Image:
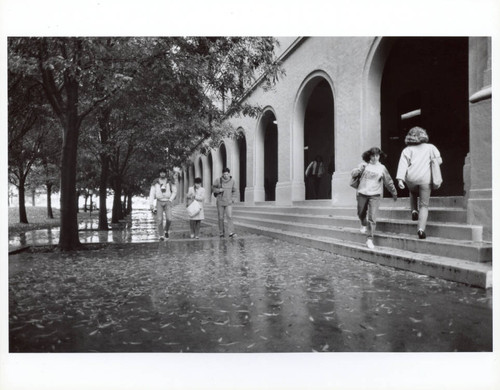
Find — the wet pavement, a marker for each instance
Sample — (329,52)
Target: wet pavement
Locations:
(247,294)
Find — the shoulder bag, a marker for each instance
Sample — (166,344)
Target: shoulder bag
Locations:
(354,183)
(436,177)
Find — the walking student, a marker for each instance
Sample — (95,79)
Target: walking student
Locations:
(414,169)
(224,189)
(374,176)
(161,195)
(196,193)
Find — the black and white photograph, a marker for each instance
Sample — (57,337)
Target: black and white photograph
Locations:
(239,206)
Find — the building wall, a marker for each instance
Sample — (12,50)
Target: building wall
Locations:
(353,68)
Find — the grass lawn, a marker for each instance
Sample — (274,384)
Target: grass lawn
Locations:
(37,219)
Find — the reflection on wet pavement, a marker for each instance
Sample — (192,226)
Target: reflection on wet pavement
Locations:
(139,227)
(250,294)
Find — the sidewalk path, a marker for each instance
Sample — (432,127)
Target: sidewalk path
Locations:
(247,294)
(139,227)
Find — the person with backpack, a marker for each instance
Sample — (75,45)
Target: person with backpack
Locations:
(161,196)
(224,189)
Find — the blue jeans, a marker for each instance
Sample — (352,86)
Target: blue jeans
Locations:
(367,212)
(419,200)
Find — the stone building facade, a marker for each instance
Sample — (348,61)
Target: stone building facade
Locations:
(343,95)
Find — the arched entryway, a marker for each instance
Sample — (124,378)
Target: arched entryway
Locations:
(319,136)
(210,172)
(242,148)
(269,129)
(223,155)
(200,169)
(425,83)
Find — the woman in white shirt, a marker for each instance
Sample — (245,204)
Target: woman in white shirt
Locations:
(414,169)
(196,194)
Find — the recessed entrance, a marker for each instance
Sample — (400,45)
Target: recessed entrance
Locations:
(425,83)
(223,155)
(242,147)
(270,129)
(319,137)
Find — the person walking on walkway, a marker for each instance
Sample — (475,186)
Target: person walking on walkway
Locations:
(374,176)
(414,169)
(224,189)
(196,193)
(314,173)
(161,196)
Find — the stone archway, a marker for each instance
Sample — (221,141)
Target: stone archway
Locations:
(199,170)
(420,81)
(319,136)
(266,157)
(241,145)
(313,135)
(223,155)
(210,173)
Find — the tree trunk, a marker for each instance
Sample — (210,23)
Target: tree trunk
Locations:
(117,213)
(103,189)
(124,205)
(50,215)
(22,204)
(68,239)
(86,197)
(103,180)
(129,204)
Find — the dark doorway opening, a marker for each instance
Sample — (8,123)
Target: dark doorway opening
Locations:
(425,83)
(210,171)
(319,139)
(242,147)
(223,155)
(270,156)
(200,167)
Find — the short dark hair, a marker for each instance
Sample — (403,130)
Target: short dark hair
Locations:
(162,170)
(226,170)
(197,180)
(371,152)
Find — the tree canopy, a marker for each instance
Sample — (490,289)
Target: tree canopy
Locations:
(143,94)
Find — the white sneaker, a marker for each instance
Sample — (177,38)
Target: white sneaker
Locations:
(363,229)
(369,244)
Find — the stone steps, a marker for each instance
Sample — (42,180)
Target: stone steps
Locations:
(462,271)
(437,214)
(453,249)
(397,226)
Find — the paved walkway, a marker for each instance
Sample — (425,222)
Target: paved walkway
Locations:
(247,294)
(140,227)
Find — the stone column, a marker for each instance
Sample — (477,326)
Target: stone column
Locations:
(478,191)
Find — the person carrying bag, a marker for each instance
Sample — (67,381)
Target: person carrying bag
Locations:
(194,207)
(419,169)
